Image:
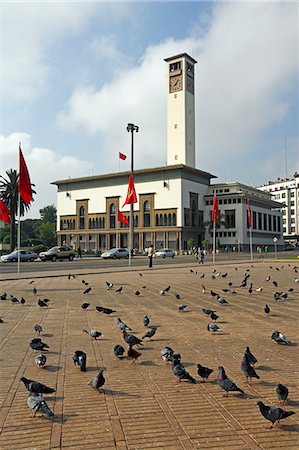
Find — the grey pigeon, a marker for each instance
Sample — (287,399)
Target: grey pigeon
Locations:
(37,404)
(37,344)
(137,293)
(104,310)
(98,381)
(119,351)
(133,354)
(214,316)
(204,372)
(14,299)
(22,301)
(167,354)
(251,358)
(40,360)
(247,369)
(79,359)
(3,296)
(42,303)
(182,307)
(34,291)
(87,290)
(119,289)
(208,312)
(180,372)
(94,334)
(273,413)
(177,296)
(213,327)
(267,309)
(85,305)
(122,325)
(131,339)
(36,387)
(146,321)
(222,301)
(38,328)
(282,393)
(150,332)
(279,338)
(109,285)
(226,384)
(167,289)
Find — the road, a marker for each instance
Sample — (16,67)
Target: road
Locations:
(139,261)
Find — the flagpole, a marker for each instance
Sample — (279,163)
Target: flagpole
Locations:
(214,240)
(250,243)
(19,231)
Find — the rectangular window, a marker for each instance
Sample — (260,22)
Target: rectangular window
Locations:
(292,229)
(283,195)
(292,212)
(278,224)
(239,200)
(260,227)
(265,222)
(270,222)
(234,200)
(224,234)
(292,194)
(254,220)
(274,223)
(230,218)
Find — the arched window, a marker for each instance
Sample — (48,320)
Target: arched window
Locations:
(169,220)
(157,220)
(174,219)
(82,218)
(165,220)
(193,214)
(146,214)
(161,221)
(112,215)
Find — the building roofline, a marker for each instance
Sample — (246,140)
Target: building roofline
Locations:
(137,172)
(180,55)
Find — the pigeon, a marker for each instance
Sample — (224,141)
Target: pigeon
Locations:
(204,289)
(104,310)
(3,296)
(162,292)
(150,333)
(268,278)
(290,290)
(122,325)
(213,294)
(247,369)
(182,307)
(282,393)
(214,316)
(119,289)
(191,271)
(177,296)
(140,274)
(250,289)
(37,403)
(226,384)
(146,321)
(267,309)
(42,303)
(14,299)
(70,276)
(133,354)
(204,372)
(37,344)
(87,290)
(251,358)
(1,320)
(273,413)
(137,293)
(83,281)
(230,284)
(167,289)
(34,291)
(208,312)
(275,283)
(213,327)
(85,305)
(203,275)
(98,381)
(119,351)
(109,284)
(94,334)
(224,275)
(38,328)
(260,289)
(279,338)
(32,281)
(131,339)
(40,360)
(180,372)
(243,283)
(167,354)
(222,301)
(79,359)
(22,301)
(36,387)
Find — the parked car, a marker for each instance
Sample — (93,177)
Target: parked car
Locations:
(165,253)
(63,252)
(116,253)
(25,255)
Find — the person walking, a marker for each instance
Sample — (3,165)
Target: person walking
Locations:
(79,253)
(201,256)
(150,254)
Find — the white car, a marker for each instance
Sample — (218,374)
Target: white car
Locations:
(165,253)
(25,255)
(116,253)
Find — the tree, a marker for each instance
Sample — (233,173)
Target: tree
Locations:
(190,243)
(48,214)
(10,196)
(47,233)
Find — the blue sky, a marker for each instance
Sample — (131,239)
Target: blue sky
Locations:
(74,74)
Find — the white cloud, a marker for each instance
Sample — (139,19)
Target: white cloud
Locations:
(247,63)
(44,166)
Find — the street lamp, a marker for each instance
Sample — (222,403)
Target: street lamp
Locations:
(131,128)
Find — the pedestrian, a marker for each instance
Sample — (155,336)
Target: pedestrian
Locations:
(201,256)
(150,254)
(79,253)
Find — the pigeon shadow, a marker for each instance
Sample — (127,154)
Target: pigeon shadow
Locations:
(47,335)
(118,393)
(52,353)
(92,369)
(294,428)
(146,348)
(268,383)
(148,363)
(292,403)
(160,340)
(265,368)
(52,368)
(53,397)
(62,418)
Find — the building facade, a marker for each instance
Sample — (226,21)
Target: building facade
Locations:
(174,201)
(286,192)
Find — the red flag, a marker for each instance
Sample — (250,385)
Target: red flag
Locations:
(122,218)
(131,195)
(249,219)
(122,156)
(4,212)
(215,210)
(24,185)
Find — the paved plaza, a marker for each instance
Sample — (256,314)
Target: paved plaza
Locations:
(142,405)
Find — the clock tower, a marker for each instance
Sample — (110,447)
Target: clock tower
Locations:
(180,110)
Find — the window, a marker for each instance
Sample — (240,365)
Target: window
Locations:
(193,214)
(253,219)
(292,229)
(292,203)
(274,223)
(186,218)
(112,216)
(259,218)
(292,194)
(146,214)
(226,190)
(265,222)
(270,222)
(292,212)
(283,195)
(234,200)
(230,218)
(81,218)
(278,224)
(174,219)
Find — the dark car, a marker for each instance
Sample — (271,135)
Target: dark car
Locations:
(57,253)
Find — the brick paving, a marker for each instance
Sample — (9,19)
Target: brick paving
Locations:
(143,406)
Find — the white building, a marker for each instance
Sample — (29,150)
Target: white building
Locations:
(173,200)
(286,191)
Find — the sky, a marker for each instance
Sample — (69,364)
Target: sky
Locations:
(73,74)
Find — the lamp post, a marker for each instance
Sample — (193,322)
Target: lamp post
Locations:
(131,128)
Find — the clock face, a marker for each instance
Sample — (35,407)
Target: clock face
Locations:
(175,83)
(190,84)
